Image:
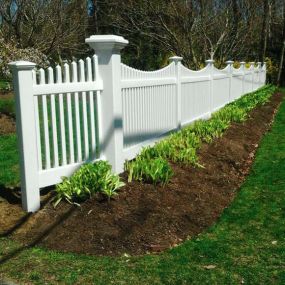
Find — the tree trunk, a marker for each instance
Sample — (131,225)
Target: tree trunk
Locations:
(282,50)
(264,31)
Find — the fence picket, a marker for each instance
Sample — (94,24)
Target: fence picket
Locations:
(69,114)
(45,122)
(37,122)
(53,120)
(77,114)
(91,107)
(61,116)
(84,110)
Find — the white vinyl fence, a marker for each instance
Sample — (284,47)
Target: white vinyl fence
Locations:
(102,109)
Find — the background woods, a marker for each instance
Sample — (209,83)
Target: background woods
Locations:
(55,30)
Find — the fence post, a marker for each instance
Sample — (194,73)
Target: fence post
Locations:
(259,74)
(177,60)
(242,64)
(26,133)
(264,69)
(210,64)
(107,48)
(252,74)
(230,63)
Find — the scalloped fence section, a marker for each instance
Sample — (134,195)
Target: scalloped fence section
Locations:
(100,108)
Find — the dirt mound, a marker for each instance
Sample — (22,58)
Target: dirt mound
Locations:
(147,218)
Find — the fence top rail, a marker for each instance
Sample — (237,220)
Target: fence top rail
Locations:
(62,88)
(185,71)
(128,72)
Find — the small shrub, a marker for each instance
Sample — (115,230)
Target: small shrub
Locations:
(149,170)
(88,180)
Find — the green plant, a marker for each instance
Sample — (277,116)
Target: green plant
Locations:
(88,180)
(155,170)
(111,184)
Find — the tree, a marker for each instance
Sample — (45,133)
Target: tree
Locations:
(56,28)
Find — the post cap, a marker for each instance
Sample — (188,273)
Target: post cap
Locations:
(175,59)
(106,42)
(230,62)
(252,62)
(242,62)
(210,61)
(22,65)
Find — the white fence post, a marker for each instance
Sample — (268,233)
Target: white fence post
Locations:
(264,68)
(210,63)
(107,48)
(177,60)
(242,64)
(252,74)
(259,74)
(230,63)
(26,133)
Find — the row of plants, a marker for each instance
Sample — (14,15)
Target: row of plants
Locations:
(152,164)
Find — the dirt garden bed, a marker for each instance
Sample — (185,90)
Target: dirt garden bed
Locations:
(145,218)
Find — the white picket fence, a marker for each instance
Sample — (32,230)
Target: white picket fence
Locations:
(102,109)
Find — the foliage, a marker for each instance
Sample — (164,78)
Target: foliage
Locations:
(55,28)
(9,52)
(5,85)
(150,170)
(91,178)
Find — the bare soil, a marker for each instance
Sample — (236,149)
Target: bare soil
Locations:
(7,124)
(145,218)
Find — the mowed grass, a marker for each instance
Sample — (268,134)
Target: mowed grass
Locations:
(246,246)
(9,161)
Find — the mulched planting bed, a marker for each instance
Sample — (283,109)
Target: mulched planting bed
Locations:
(145,218)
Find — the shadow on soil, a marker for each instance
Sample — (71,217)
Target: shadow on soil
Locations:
(13,196)
(38,239)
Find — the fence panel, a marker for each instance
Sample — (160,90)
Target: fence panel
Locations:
(237,85)
(149,106)
(195,94)
(221,88)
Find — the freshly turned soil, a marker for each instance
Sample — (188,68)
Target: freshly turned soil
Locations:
(144,218)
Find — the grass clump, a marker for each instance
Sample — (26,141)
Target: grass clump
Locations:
(181,147)
(91,178)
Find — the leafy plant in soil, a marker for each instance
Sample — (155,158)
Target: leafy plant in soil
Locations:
(150,170)
(88,180)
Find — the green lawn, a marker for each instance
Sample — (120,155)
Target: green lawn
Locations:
(246,246)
